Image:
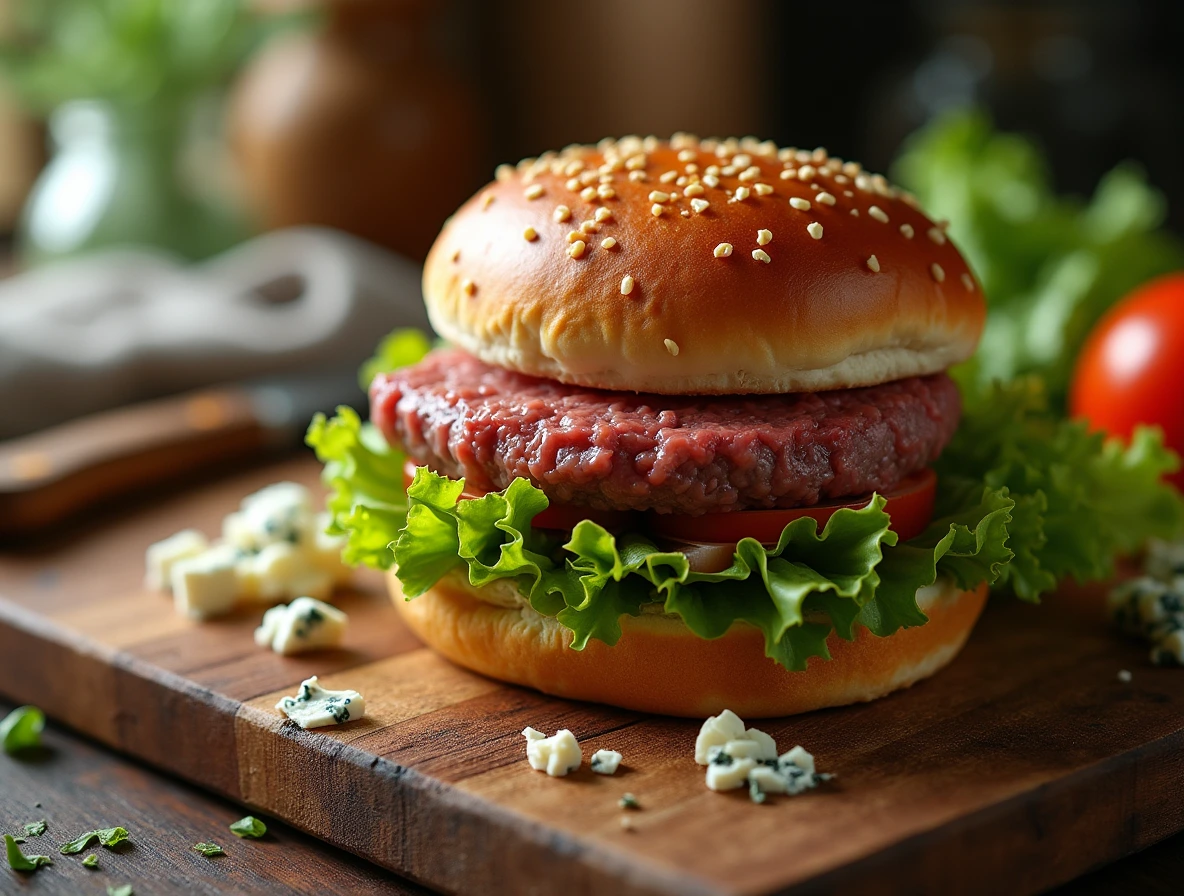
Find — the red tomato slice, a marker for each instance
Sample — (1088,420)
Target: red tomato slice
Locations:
(557,516)
(910,505)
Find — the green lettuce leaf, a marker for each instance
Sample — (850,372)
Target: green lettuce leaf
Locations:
(1049,265)
(400,349)
(1080,500)
(795,592)
(367,501)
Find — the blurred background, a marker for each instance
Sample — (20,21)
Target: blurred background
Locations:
(313,148)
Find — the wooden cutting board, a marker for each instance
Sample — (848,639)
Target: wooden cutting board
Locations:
(1024,764)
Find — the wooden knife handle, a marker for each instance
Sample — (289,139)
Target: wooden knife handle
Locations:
(53,474)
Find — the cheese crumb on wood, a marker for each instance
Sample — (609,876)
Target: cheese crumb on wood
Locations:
(161,556)
(206,585)
(315,706)
(557,755)
(304,624)
(736,757)
(606,762)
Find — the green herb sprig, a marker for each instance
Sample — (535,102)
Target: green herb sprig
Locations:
(18,861)
(108,837)
(21,729)
(249,827)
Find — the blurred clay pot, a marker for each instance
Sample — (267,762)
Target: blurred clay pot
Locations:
(355,125)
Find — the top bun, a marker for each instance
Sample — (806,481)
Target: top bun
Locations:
(701,267)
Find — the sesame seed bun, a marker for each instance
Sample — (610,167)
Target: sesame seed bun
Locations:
(637,265)
(659,666)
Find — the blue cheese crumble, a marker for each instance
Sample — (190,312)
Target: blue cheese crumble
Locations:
(273,549)
(304,624)
(1152,606)
(315,706)
(606,762)
(736,756)
(557,755)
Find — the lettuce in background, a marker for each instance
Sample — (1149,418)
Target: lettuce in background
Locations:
(1050,265)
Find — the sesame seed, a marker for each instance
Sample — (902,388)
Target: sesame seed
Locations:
(819,155)
(713,170)
(968,282)
(588,194)
(574,235)
(699,205)
(693,190)
(692,168)
(907,230)
(534,191)
(659,196)
(530,234)
(789,174)
(854,213)
(589,226)
(863,182)
(711,180)
(668,176)
(603,214)
(671,346)
(723,250)
(800,204)
(573,184)
(682,182)
(762,189)
(626,285)
(656,210)
(802,156)
(561,213)
(503,172)
(937,236)
(873,263)
(742,160)
(815,230)
(851,169)
(487,199)
(750,173)
(742,193)
(761,255)
(605,179)
(878,213)
(468,287)
(576,249)
(604,191)
(686,155)
(764,237)
(807,172)
(938,272)
(842,179)
(638,176)
(728,170)
(587,178)
(825,198)
(684,213)
(607,243)
(848,194)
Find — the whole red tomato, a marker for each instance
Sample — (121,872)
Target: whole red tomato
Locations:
(1131,369)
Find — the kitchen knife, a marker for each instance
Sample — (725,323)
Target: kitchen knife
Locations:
(57,473)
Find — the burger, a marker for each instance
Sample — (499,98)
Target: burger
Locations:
(673,451)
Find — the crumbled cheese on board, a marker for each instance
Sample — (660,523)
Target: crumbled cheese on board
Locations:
(273,548)
(557,755)
(606,762)
(1152,606)
(315,706)
(736,757)
(304,624)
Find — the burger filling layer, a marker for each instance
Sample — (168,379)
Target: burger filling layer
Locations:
(670,454)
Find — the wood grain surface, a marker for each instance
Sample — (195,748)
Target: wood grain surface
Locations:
(1021,766)
(75,786)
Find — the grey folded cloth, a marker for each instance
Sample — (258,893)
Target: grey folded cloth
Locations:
(128,325)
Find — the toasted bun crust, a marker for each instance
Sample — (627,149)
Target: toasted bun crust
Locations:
(501,280)
(658,666)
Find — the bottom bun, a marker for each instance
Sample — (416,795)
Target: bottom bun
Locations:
(659,666)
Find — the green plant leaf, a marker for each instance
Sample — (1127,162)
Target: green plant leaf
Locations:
(249,827)
(108,837)
(18,861)
(21,729)
(209,850)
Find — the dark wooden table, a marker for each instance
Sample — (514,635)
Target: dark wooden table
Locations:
(76,786)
